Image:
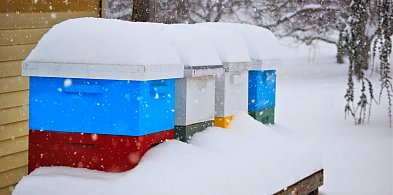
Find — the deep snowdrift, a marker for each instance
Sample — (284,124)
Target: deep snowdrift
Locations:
(246,158)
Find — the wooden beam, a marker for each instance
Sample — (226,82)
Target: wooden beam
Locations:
(39,20)
(13,130)
(10,84)
(12,176)
(305,186)
(21,36)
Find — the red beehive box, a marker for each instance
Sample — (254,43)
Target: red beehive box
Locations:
(111,153)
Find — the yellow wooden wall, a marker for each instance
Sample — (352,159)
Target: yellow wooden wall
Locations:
(22,23)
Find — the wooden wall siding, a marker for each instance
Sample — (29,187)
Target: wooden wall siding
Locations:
(11,146)
(22,24)
(13,161)
(13,6)
(7,190)
(21,36)
(13,130)
(14,99)
(14,114)
(15,52)
(12,176)
(10,68)
(38,20)
(15,83)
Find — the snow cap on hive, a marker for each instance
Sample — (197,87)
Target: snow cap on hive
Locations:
(192,49)
(198,55)
(229,45)
(104,49)
(261,44)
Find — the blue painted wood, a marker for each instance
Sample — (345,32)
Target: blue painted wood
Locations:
(261,89)
(115,107)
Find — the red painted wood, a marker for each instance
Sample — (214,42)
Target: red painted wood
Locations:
(111,153)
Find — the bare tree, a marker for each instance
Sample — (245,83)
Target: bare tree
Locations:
(173,11)
(119,9)
(305,21)
(215,10)
(193,11)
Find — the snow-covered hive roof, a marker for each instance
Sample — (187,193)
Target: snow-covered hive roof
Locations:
(229,45)
(192,49)
(104,49)
(198,55)
(261,44)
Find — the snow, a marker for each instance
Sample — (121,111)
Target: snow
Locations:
(114,49)
(250,158)
(192,49)
(260,42)
(242,158)
(102,41)
(310,108)
(229,45)
(104,49)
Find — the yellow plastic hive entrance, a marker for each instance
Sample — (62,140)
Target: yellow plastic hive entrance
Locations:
(222,121)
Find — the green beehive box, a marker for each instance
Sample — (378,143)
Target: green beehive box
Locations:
(184,133)
(265,116)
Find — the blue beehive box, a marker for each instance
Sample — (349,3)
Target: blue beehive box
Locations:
(117,107)
(261,89)
(102,76)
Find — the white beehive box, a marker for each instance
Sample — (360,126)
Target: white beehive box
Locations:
(194,100)
(231,93)
(196,91)
(232,86)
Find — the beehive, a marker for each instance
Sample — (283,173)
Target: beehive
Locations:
(83,86)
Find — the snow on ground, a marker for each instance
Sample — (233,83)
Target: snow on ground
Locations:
(247,158)
(250,158)
(356,159)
